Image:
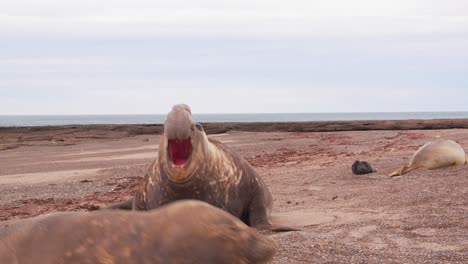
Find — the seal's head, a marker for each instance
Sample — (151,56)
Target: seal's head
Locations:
(181,141)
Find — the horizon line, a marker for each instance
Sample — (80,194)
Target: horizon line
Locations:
(251,113)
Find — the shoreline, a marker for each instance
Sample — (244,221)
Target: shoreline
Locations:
(280,126)
(65,135)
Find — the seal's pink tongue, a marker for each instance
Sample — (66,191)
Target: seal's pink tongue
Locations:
(180,150)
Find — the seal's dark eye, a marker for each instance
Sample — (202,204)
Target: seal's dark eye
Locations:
(199,127)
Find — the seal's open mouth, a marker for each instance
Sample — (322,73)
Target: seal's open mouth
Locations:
(180,151)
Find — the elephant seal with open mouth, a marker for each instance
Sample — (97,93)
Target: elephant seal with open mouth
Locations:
(192,166)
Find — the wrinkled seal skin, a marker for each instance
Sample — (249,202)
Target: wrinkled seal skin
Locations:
(361,167)
(433,155)
(213,174)
(182,232)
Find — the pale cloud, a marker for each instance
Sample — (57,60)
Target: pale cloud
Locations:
(140,18)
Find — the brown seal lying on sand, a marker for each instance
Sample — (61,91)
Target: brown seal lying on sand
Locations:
(182,232)
(192,166)
(436,154)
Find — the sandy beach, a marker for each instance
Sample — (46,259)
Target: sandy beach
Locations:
(417,218)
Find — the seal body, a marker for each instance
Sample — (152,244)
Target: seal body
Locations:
(222,179)
(192,166)
(361,167)
(433,155)
(183,232)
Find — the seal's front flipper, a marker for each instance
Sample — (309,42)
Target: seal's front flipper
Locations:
(275,228)
(396,172)
(402,170)
(258,218)
(125,205)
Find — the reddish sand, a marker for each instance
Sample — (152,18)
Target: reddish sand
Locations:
(418,218)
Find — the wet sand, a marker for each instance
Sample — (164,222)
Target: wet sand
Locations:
(420,217)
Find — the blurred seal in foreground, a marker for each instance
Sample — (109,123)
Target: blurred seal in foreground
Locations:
(183,232)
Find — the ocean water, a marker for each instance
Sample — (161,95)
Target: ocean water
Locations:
(53,120)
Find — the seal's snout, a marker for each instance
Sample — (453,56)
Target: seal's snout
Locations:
(178,128)
(179,123)
(180,151)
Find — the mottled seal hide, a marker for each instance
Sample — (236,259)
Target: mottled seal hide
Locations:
(433,155)
(182,232)
(192,166)
(361,167)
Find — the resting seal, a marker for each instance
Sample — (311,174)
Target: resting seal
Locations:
(182,232)
(192,166)
(361,167)
(436,154)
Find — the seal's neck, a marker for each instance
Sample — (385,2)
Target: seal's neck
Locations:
(221,161)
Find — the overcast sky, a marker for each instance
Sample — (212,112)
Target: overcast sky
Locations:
(141,57)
